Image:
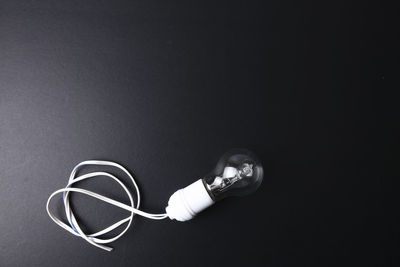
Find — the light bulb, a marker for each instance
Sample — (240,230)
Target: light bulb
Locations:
(237,173)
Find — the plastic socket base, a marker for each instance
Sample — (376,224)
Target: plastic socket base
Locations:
(186,203)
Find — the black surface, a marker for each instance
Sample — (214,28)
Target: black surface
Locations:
(165,89)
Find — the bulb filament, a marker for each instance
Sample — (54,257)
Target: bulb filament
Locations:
(220,184)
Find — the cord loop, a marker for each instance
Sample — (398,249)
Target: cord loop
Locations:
(74,227)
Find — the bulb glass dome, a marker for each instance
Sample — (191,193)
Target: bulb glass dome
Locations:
(238,173)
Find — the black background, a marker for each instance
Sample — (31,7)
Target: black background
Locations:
(165,89)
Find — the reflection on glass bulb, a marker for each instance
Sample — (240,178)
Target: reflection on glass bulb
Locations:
(237,173)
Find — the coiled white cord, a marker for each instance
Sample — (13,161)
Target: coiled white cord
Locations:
(74,227)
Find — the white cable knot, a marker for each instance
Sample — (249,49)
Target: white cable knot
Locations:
(74,227)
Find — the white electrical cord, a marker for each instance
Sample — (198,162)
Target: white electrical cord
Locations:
(74,227)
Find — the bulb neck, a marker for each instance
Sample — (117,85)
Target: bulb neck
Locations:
(187,202)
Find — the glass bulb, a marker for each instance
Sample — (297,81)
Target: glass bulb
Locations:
(237,173)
